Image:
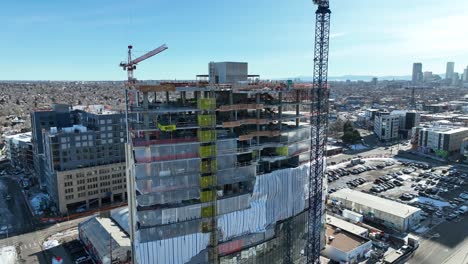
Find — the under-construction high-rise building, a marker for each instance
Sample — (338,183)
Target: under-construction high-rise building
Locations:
(219,172)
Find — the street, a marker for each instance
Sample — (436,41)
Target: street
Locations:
(29,246)
(446,244)
(14,213)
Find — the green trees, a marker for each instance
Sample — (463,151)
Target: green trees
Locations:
(350,134)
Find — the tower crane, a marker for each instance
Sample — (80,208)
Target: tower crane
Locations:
(130,65)
(319,121)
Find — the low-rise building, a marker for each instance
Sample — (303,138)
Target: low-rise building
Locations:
(395,215)
(19,150)
(443,141)
(345,247)
(386,126)
(346,226)
(105,239)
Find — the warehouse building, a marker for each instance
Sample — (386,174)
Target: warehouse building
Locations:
(345,247)
(392,214)
(346,226)
(104,239)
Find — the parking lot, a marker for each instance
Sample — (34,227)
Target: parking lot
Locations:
(441,192)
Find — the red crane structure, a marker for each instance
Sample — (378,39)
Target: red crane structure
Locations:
(130,66)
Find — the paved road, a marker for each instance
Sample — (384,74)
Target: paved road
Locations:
(29,246)
(14,213)
(448,245)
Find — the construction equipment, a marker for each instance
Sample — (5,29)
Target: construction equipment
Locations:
(319,120)
(130,66)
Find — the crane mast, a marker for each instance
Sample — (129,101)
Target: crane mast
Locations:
(130,65)
(319,120)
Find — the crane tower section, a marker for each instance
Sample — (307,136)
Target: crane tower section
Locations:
(319,120)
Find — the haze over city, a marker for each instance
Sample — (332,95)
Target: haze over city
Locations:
(51,40)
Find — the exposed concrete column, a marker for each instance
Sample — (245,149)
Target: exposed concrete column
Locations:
(87,204)
(167,97)
(146,114)
(297,108)
(183,96)
(231,113)
(99,202)
(112,198)
(257,100)
(280,109)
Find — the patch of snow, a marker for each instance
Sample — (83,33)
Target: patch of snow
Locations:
(422,230)
(39,202)
(430,201)
(8,255)
(357,147)
(50,244)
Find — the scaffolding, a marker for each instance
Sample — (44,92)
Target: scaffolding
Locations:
(196,150)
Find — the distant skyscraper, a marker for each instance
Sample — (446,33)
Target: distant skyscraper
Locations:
(417,72)
(465,75)
(374,81)
(427,77)
(455,79)
(450,70)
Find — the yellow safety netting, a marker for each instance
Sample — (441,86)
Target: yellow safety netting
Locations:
(206,103)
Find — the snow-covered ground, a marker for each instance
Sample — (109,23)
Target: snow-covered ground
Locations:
(430,201)
(38,201)
(357,147)
(8,255)
(50,244)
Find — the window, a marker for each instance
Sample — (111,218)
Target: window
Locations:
(82,194)
(68,184)
(109,121)
(79,175)
(68,177)
(69,197)
(81,188)
(69,190)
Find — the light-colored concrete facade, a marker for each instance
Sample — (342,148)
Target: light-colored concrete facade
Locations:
(441,138)
(91,186)
(386,126)
(395,215)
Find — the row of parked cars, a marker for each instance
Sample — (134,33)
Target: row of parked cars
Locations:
(335,174)
(387,182)
(355,182)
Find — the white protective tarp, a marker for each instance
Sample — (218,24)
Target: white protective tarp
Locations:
(276,196)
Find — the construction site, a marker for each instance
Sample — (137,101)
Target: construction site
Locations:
(228,168)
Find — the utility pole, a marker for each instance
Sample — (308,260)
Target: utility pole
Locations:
(110,247)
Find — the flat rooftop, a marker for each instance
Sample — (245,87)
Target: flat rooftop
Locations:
(345,225)
(343,240)
(23,137)
(375,202)
(95,109)
(446,130)
(116,232)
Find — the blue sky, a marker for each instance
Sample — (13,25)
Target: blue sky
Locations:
(85,40)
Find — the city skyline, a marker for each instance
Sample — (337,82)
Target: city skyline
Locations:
(276,40)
